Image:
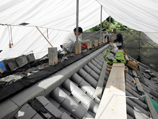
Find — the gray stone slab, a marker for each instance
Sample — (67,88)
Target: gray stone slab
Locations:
(26,112)
(99,87)
(63,75)
(51,82)
(43,100)
(52,109)
(37,116)
(27,94)
(75,67)
(65,116)
(7,109)
(86,59)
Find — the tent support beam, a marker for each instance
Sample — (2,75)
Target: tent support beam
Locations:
(77,17)
(77,44)
(100,22)
(109,22)
(44,36)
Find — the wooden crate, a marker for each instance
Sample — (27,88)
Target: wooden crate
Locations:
(132,64)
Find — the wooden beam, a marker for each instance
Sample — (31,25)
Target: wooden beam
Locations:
(99,88)
(87,118)
(120,51)
(151,107)
(139,87)
(113,102)
(44,36)
(149,103)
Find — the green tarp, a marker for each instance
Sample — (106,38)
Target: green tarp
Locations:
(120,59)
(155,104)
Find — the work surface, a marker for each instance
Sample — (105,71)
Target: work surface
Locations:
(113,102)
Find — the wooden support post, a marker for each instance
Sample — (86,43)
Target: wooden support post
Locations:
(100,41)
(78,48)
(106,40)
(52,55)
(126,70)
(96,43)
(89,44)
(44,36)
(1,71)
(103,41)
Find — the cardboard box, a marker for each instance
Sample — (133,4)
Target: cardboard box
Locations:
(132,64)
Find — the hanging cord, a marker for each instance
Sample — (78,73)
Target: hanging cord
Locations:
(11,34)
(47,34)
(141,38)
(10,45)
(44,36)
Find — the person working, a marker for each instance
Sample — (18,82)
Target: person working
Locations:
(119,39)
(69,42)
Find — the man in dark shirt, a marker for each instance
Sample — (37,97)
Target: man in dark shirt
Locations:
(119,39)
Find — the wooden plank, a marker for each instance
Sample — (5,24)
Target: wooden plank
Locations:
(120,51)
(151,107)
(126,57)
(87,118)
(139,87)
(117,64)
(113,102)
(99,88)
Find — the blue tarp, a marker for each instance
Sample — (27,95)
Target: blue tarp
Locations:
(2,66)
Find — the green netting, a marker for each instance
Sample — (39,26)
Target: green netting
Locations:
(155,104)
(120,59)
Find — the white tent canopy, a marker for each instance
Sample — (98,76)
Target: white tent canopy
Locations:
(59,16)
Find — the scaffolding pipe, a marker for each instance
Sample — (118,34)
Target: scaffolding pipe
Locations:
(100,22)
(77,17)
(44,36)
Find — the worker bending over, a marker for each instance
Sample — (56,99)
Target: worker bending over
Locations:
(69,42)
(118,39)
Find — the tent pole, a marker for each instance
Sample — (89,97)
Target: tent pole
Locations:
(77,16)
(100,22)
(109,22)
(44,36)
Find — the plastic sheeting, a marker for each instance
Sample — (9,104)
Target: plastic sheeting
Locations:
(59,16)
(141,15)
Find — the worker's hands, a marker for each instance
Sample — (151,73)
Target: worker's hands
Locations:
(112,41)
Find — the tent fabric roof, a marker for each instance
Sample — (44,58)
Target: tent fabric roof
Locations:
(59,17)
